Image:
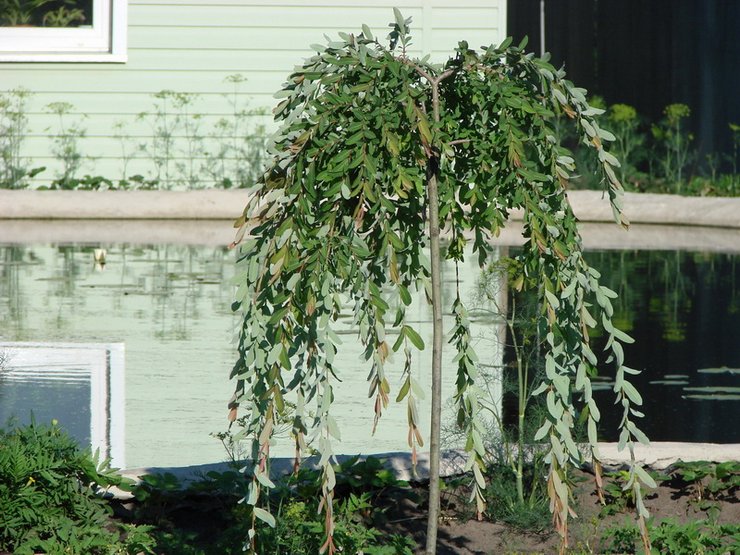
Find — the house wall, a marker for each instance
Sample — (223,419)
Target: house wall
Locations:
(190,46)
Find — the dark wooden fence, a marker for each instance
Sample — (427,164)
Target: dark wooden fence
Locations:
(647,53)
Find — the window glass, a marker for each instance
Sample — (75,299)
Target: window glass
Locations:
(46,13)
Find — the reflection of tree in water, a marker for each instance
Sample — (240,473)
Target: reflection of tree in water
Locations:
(11,294)
(70,273)
(182,277)
(16,268)
(180,284)
(65,282)
(666,286)
(662,284)
(683,309)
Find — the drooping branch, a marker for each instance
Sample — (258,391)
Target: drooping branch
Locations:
(341,209)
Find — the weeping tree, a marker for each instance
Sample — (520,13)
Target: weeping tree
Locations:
(377,155)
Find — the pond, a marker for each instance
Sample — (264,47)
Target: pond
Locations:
(154,335)
(683,309)
(168,308)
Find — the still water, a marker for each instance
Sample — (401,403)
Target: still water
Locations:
(683,309)
(168,309)
(142,348)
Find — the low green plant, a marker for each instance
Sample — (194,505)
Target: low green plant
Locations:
(49,501)
(622,539)
(100,183)
(521,375)
(179,146)
(128,152)
(618,496)
(672,538)
(188,168)
(240,150)
(364,488)
(85,183)
(722,185)
(732,157)
(164,124)
(709,481)
(532,513)
(138,182)
(298,529)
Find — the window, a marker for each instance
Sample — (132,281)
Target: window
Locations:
(62,30)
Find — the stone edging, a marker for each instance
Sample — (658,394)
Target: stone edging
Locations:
(219,204)
(659,455)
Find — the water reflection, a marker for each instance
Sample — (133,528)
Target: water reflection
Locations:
(78,384)
(170,306)
(683,309)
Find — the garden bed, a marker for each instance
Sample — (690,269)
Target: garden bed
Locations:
(687,515)
(674,506)
(47,507)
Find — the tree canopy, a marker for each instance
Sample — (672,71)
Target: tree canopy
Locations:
(339,219)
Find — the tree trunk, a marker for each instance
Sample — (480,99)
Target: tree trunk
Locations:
(435,428)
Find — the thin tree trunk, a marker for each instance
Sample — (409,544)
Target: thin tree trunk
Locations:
(435,428)
(434,443)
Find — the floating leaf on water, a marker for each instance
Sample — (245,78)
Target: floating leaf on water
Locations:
(669,382)
(720,370)
(602,386)
(676,376)
(714,397)
(111,286)
(714,389)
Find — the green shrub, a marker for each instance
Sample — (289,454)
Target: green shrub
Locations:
(49,501)
(533,513)
(216,523)
(15,169)
(617,497)
(672,143)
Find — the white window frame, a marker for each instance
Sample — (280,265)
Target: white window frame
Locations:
(104,41)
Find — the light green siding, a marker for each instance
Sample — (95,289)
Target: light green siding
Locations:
(189,46)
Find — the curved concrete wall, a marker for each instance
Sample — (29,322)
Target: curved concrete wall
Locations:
(205,218)
(589,206)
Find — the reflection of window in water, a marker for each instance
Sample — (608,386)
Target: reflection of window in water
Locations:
(79,385)
(46,13)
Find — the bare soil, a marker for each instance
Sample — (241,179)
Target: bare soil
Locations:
(462,536)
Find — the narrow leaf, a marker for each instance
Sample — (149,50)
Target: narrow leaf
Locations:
(264,516)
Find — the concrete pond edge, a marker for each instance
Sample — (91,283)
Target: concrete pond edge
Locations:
(222,204)
(659,455)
